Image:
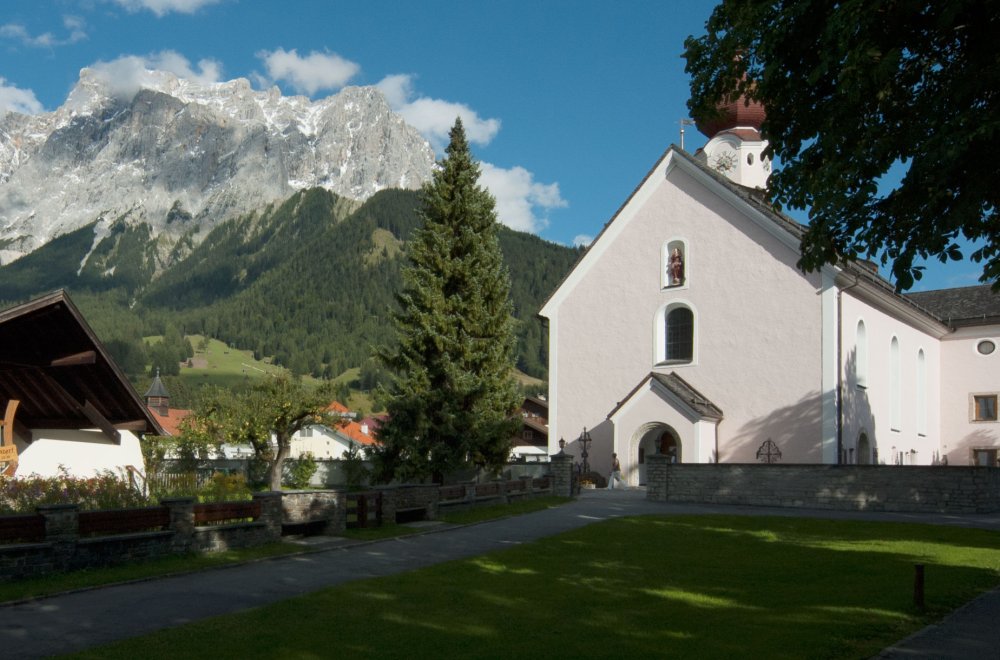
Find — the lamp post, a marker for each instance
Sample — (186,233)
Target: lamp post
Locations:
(584,441)
(562,445)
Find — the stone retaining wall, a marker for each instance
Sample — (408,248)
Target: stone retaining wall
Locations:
(63,548)
(918,489)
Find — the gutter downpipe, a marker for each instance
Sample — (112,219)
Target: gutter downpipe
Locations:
(840,371)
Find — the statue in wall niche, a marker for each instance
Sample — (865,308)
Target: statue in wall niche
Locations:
(675,267)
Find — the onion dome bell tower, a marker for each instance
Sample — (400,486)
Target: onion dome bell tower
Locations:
(735,145)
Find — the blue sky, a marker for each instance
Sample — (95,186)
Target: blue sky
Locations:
(568,103)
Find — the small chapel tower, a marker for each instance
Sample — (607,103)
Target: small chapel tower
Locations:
(735,145)
(157,397)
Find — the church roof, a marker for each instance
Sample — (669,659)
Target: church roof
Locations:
(738,113)
(156,388)
(964,306)
(692,397)
(694,400)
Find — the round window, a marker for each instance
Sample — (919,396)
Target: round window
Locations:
(985,347)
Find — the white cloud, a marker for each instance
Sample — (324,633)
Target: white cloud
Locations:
(311,73)
(435,117)
(522,203)
(163,7)
(397,89)
(582,240)
(73,24)
(16,99)
(128,74)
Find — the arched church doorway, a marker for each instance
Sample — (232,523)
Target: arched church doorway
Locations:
(652,438)
(864,450)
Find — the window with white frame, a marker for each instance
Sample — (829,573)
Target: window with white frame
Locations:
(675,334)
(895,386)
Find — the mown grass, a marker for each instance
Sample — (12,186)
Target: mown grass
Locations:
(61,582)
(479,514)
(684,586)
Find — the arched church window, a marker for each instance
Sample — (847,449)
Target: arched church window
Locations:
(680,335)
(861,355)
(895,386)
(921,393)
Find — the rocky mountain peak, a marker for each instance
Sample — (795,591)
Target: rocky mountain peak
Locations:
(142,150)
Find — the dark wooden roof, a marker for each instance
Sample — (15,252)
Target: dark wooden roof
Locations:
(53,363)
(968,305)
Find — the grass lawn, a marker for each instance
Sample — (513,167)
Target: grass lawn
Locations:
(684,586)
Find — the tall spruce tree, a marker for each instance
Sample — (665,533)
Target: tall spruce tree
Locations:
(453,400)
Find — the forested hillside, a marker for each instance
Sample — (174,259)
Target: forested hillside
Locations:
(310,282)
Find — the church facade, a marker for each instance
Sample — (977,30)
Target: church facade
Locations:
(687,329)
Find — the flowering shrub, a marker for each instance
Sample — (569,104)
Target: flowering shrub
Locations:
(105,491)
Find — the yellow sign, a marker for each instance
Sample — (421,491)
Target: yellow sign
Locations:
(8,454)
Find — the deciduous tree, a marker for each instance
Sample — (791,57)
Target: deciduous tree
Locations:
(264,416)
(855,88)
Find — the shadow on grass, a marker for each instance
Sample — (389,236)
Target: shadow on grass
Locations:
(686,586)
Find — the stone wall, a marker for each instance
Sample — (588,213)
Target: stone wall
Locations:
(918,489)
(63,548)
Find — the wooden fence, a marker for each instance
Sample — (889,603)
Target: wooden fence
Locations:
(364,509)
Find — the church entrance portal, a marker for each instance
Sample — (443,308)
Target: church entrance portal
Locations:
(654,438)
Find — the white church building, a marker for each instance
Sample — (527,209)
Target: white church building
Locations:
(687,329)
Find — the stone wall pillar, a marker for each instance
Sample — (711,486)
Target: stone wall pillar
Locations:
(181,523)
(562,474)
(433,495)
(338,522)
(389,501)
(270,514)
(62,530)
(656,477)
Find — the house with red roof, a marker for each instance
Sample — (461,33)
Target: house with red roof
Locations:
(326,442)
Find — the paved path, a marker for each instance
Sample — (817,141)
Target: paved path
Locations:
(77,621)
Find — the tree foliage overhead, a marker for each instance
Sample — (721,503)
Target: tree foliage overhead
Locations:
(854,88)
(454,397)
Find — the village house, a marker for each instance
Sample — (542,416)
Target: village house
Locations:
(686,329)
(532,441)
(326,442)
(66,404)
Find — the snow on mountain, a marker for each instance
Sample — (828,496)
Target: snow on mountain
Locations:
(182,156)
